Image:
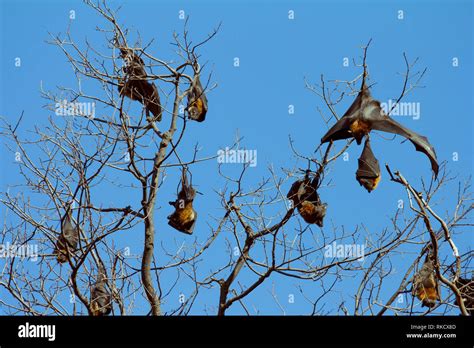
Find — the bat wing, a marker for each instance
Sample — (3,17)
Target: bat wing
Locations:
(101,300)
(368,172)
(152,99)
(368,169)
(70,234)
(386,124)
(341,129)
(368,165)
(293,192)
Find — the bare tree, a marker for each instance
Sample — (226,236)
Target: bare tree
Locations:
(126,150)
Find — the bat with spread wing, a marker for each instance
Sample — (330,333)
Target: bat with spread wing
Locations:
(68,239)
(135,85)
(101,300)
(425,284)
(197,101)
(184,217)
(365,114)
(368,172)
(305,198)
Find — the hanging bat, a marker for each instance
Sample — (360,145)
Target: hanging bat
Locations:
(306,199)
(197,101)
(368,173)
(101,300)
(425,284)
(68,239)
(365,114)
(135,85)
(466,288)
(184,217)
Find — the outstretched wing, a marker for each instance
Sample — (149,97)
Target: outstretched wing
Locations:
(386,124)
(341,129)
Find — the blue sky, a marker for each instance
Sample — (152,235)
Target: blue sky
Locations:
(276,55)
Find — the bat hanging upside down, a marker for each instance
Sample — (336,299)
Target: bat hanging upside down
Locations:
(306,199)
(101,300)
(68,239)
(135,85)
(184,217)
(425,285)
(197,101)
(365,114)
(368,173)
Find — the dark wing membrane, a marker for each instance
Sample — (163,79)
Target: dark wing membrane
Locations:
(293,192)
(386,124)
(152,99)
(368,164)
(339,131)
(368,169)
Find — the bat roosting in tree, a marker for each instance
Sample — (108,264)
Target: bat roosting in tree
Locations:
(425,285)
(68,239)
(135,85)
(197,101)
(184,216)
(305,198)
(368,173)
(101,300)
(365,114)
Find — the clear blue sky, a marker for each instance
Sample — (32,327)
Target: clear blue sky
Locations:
(276,54)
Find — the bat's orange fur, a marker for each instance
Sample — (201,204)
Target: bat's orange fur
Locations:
(425,293)
(371,184)
(199,105)
(186,214)
(359,128)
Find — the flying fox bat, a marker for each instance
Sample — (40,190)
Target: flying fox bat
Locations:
(68,239)
(197,101)
(101,300)
(368,173)
(365,114)
(306,199)
(425,285)
(135,85)
(466,288)
(184,217)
